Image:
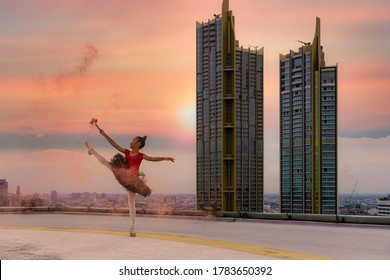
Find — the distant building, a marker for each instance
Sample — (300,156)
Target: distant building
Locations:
(15,199)
(308,131)
(3,193)
(53,197)
(154,204)
(384,206)
(18,196)
(229,126)
(171,199)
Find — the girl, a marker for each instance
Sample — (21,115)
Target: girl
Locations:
(126,169)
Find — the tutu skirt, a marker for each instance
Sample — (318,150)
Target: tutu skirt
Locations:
(126,179)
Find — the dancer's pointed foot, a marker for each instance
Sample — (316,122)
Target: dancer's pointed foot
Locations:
(89,147)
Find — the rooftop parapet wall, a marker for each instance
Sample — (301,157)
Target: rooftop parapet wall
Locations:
(351,219)
(95,210)
(347,219)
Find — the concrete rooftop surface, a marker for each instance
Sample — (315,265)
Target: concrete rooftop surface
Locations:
(53,236)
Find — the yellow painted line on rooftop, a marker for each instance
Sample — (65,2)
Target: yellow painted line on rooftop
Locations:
(228,245)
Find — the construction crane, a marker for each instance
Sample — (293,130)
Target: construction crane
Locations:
(358,207)
(354,191)
(306,44)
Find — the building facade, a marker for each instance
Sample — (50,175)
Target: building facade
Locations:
(3,193)
(229,96)
(308,131)
(384,206)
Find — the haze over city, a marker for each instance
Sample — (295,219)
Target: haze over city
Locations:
(131,64)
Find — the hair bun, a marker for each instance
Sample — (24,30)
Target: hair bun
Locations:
(142,140)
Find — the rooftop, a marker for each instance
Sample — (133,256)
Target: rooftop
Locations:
(94,236)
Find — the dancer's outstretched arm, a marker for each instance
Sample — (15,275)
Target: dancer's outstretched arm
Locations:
(111,141)
(158,158)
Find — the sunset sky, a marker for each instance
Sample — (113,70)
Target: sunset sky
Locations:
(131,64)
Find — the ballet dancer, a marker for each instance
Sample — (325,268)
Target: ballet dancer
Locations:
(125,169)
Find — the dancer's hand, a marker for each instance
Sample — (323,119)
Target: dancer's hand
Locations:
(171,159)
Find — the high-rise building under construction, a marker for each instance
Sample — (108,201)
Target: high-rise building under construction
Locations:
(229,126)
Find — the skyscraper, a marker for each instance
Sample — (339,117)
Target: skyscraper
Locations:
(308,131)
(229,96)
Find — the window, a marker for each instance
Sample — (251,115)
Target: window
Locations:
(297,63)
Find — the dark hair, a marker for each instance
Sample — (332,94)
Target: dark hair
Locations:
(142,141)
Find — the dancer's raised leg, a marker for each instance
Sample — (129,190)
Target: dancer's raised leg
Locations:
(132,212)
(102,160)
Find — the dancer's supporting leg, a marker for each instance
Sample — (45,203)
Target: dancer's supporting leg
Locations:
(101,159)
(132,213)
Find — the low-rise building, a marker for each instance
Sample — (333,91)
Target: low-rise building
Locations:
(384,206)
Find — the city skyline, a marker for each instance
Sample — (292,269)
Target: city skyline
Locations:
(348,204)
(66,62)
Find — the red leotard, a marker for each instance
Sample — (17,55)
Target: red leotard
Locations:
(134,161)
